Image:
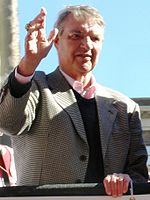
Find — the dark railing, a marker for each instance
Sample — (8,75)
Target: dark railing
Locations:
(92,189)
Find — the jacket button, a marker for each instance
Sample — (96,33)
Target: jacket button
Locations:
(83,158)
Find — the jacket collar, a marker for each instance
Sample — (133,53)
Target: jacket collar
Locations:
(87,93)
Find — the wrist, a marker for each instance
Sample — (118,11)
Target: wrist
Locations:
(26,67)
(21,78)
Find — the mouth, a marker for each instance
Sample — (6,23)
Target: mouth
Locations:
(85,57)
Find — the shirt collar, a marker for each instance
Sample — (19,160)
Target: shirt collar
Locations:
(78,85)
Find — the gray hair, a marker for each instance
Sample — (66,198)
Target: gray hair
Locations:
(79,12)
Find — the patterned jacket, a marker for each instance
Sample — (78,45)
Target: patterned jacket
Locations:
(49,138)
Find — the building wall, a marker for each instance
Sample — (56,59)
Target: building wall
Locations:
(144,104)
(9,37)
(9,43)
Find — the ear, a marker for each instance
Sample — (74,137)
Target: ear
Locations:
(56,41)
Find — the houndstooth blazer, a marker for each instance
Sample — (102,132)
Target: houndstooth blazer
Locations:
(49,138)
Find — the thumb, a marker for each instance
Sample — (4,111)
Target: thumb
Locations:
(53,34)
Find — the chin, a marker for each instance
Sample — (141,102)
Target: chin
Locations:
(87,68)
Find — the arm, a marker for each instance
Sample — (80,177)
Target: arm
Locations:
(17,109)
(135,168)
(18,112)
(137,156)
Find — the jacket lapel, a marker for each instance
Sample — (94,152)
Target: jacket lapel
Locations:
(106,116)
(64,96)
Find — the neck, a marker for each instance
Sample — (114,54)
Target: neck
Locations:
(84,78)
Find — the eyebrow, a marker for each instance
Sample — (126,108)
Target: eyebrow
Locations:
(75,31)
(82,33)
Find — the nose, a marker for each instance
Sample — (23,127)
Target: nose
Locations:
(86,43)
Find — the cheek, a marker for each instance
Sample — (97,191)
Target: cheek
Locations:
(97,51)
(96,54)
(64,52)
(68,50)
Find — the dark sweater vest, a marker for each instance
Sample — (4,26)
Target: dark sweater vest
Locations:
(95,170)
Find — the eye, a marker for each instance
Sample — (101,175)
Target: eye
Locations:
(75,36)
(95,38)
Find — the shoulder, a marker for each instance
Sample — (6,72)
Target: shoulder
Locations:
(41,76)
(116,97)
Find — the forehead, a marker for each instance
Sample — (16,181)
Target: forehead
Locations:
(84,25)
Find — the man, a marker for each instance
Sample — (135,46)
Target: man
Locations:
(66,128)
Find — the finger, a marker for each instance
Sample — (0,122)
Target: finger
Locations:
(51,37)
(44,13)
(40,17)
(53,34)
(124,180)
(117,185)
(120,186)
(31,42)
(31,48)
(31,35)
(107,184)
(127,180)
(42,35)
(38,22)
(114,185)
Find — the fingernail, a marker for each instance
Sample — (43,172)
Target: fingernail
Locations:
(43,10)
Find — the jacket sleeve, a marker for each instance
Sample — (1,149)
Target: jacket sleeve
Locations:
(18,105)
(17,89)
(137,155)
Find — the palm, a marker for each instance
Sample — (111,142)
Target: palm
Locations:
(37,45)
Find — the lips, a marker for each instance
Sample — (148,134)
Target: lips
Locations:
(85,56)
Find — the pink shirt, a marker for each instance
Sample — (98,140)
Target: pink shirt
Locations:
(78,86)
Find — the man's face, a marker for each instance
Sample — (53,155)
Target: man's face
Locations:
(79,46)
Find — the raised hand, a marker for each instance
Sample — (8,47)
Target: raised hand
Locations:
(37,45)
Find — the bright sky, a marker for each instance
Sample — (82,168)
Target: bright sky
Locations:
(124,64)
